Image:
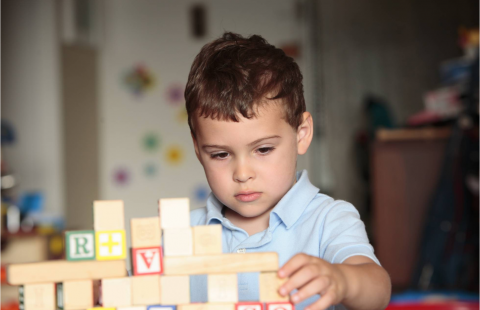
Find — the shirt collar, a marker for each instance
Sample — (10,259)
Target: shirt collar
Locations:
(288,209)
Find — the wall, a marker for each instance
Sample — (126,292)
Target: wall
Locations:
(30,98)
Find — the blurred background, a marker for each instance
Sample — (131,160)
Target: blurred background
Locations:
(93,108)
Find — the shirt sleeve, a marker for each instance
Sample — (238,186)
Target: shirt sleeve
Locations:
(344,235)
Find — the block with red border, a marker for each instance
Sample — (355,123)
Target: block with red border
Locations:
(147,261)
(249,306)
(279,306)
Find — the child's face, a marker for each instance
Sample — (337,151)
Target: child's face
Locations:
(250,165)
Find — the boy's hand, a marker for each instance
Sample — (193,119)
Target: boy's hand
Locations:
(312,275)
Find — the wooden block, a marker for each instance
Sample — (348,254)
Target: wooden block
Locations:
(78,295)
(117,292)
(147,261)
(207,306)
(269,284)
(162,307)
(132,308)
(249,306)
(220,263)
(178,241)
(207,239)
(39,296)
(101,308)
(108,215)
(279,306)
(80,245)
(174,212)
(60,271)
(110,245)
(175,290)
(145,290)
(145,232)
(222,288)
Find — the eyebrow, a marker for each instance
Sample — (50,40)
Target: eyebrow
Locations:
(250,144)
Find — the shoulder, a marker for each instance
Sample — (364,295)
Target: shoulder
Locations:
(324,209)
(198,216)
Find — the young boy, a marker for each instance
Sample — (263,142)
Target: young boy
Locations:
(248,121)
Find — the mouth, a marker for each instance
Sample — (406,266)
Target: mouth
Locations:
(247,196)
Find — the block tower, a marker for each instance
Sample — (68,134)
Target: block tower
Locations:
(94,276)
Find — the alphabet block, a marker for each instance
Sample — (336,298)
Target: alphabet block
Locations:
(146,290)
(175,290)
(110,245)
(178,241)
(207,306)
(207,239)
(280,306)
(145,232)
(108,215)
(222,288)
(269,284)
(78,295)
(249,306)
(147,261)
(174,212)
(80,245)
(117,292)
(39,296)
(162,307)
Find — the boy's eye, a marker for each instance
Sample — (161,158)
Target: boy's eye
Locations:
(221,155)
(265,150)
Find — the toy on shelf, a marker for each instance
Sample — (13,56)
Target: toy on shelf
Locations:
(94,276)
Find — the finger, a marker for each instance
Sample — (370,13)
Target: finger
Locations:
(324,302)
(310,289)
(293,265)
(300,278)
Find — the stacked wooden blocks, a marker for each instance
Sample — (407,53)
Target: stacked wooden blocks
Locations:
(95,277)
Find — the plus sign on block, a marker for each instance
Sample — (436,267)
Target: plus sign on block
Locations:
(80,245)
(110,245)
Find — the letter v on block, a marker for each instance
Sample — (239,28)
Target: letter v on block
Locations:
(80,245)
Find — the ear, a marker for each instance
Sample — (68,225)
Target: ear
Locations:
(195,145)
(305,133)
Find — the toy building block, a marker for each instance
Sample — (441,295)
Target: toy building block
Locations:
(207,306)
(108,215)
(147,261)
(162,307)
(39,296)
(207,239)
(174,212)
(279,306)
(249,306)
(80,245)
(145,232)
(132,308)
(175,290)
(60,271)
(222,288)
(220,263)
(78,295)
(269,284)
(117,292)
(101,308)
(145,290)
(110,245)
(178,241)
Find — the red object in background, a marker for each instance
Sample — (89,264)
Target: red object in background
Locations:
(4,275)
(13,305)
(450,305)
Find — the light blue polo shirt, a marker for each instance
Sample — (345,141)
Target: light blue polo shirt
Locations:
(303,221)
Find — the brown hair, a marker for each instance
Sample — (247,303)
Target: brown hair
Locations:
(234,74)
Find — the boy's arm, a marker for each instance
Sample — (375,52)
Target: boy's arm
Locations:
(368,284)
(357,283)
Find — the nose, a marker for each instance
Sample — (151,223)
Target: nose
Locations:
(243,171)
